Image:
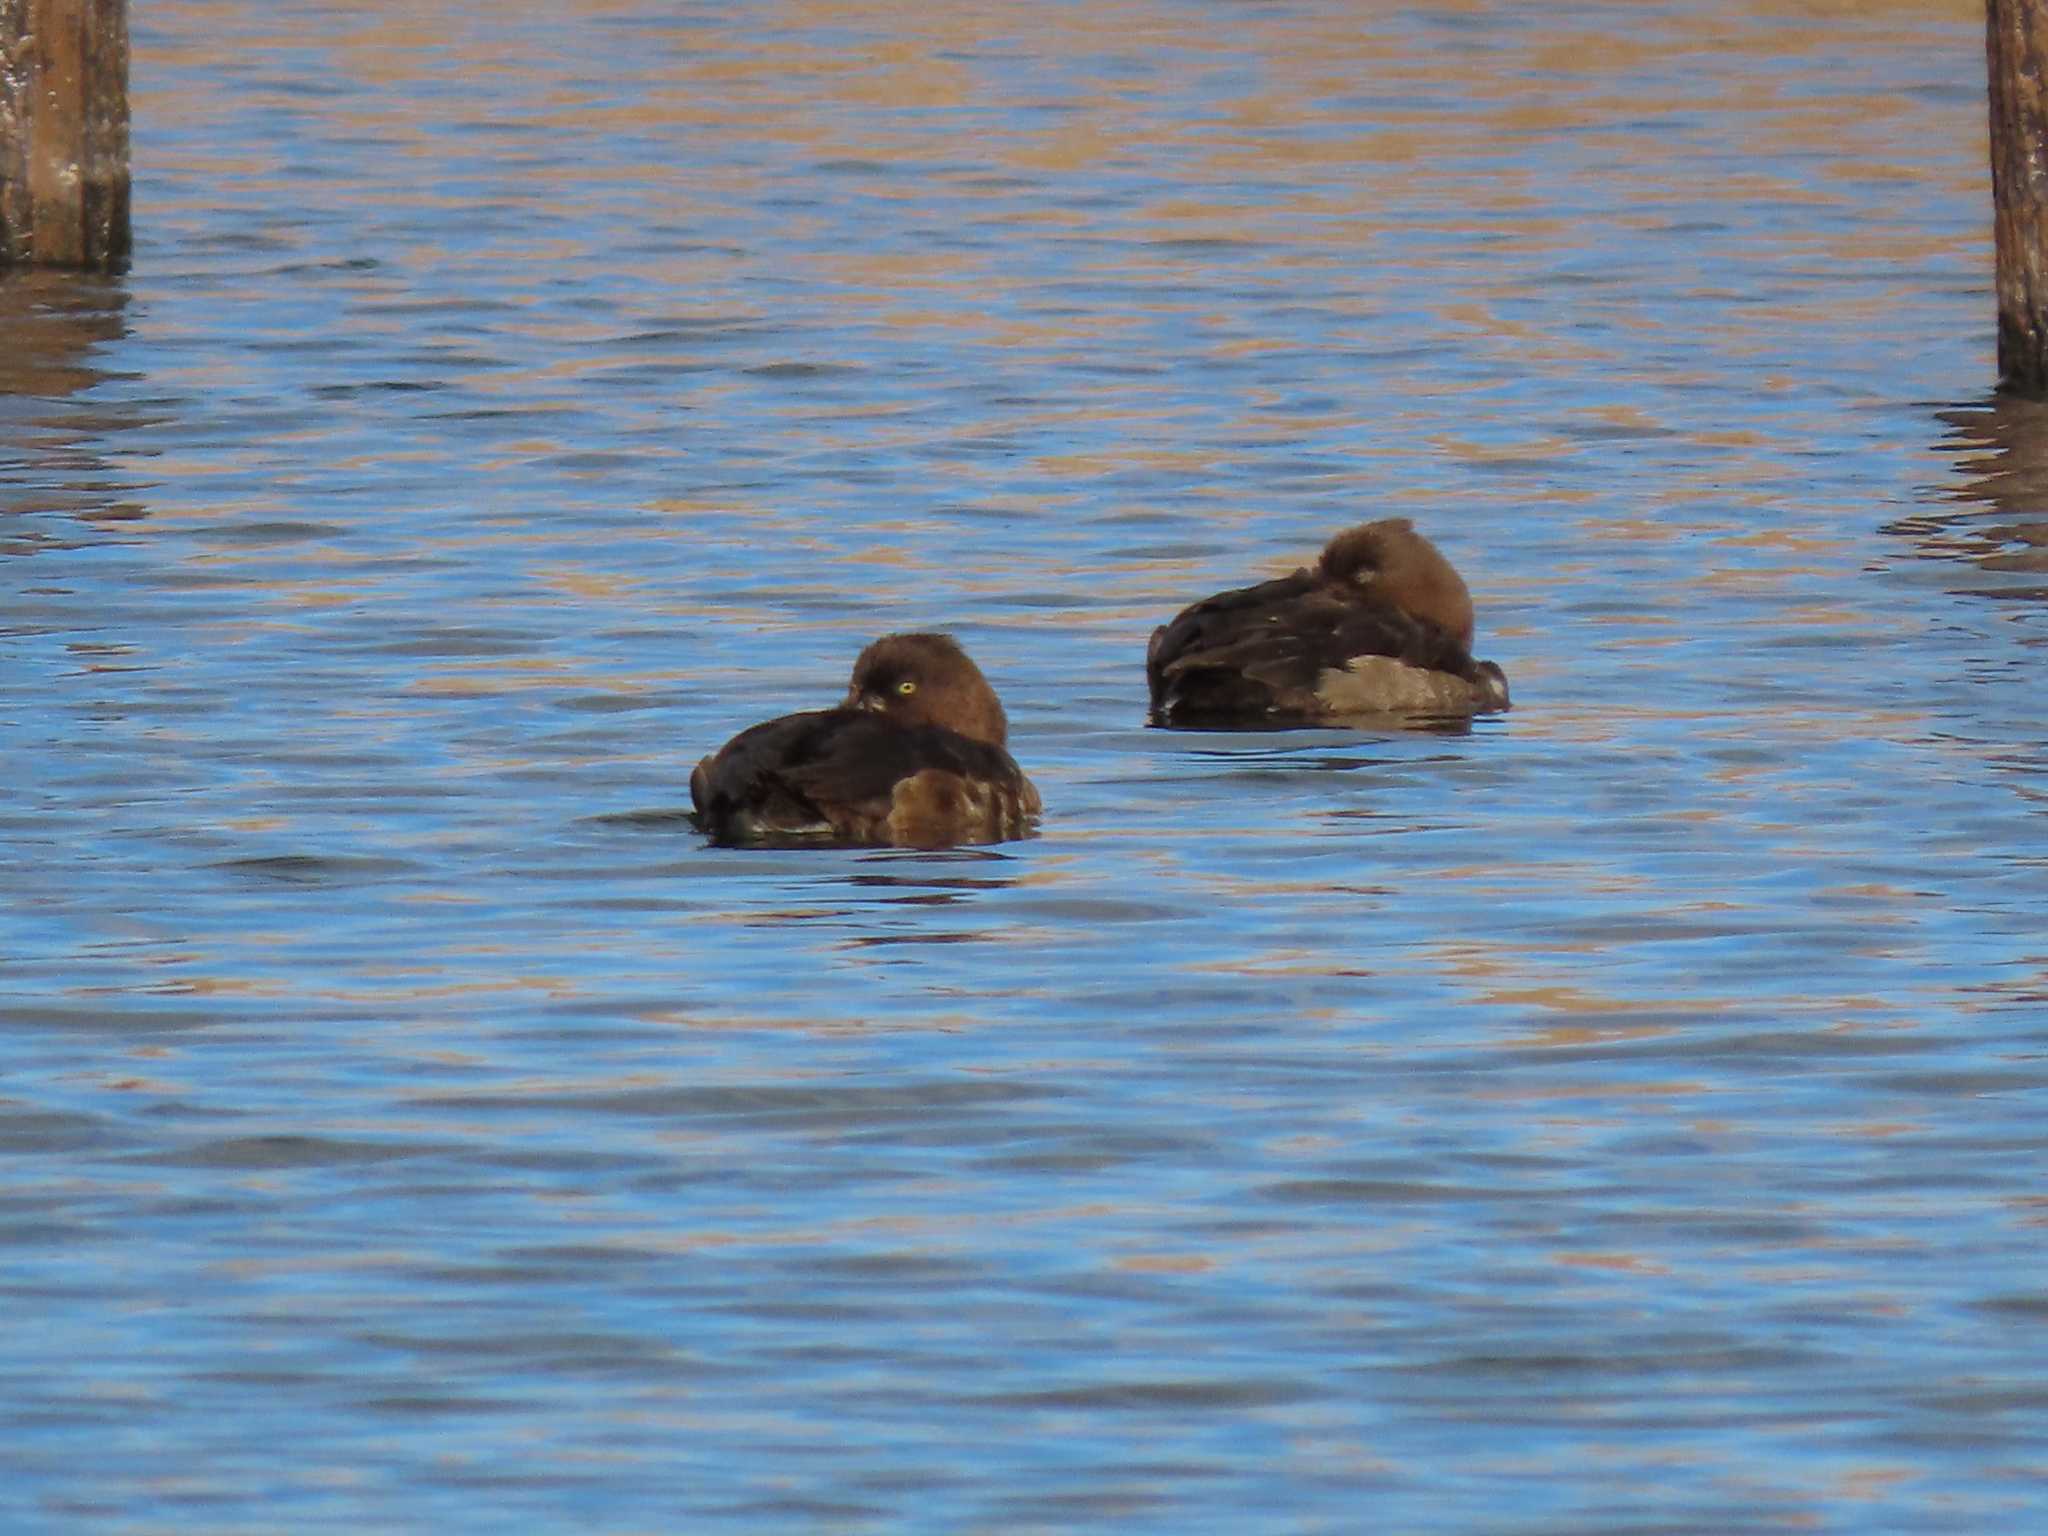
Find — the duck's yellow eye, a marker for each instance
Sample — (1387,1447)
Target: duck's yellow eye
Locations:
(906,688)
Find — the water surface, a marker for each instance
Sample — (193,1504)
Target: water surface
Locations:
(1622,1116)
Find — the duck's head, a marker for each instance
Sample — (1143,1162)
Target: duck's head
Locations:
(1391,560)
(927,680)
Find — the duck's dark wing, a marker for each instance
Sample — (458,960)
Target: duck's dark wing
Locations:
(852,776)
(744,790)
(1258,654)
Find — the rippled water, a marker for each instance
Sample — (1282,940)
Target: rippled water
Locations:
(1625,1116)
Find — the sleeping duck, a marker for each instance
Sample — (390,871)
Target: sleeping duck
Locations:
(913,758)
(1380,625)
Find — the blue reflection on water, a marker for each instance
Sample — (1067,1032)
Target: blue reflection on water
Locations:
(1615,1115)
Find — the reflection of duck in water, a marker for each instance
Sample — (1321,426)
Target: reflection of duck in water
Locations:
(914,757)
(1380,625)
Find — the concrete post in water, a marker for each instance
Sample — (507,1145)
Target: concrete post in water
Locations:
(64,133)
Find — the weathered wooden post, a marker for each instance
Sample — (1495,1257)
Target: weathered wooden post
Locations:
(64,133)
(2017,42)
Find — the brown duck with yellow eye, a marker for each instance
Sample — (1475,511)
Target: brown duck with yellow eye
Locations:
(1381,625)
(913,758)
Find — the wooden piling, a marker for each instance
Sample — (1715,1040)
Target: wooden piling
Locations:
(2017,46)
(64,134)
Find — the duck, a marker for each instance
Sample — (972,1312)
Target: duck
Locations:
(913,757)
(1381,624)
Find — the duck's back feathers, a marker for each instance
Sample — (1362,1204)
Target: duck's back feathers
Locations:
(857,776)
(1377,626)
